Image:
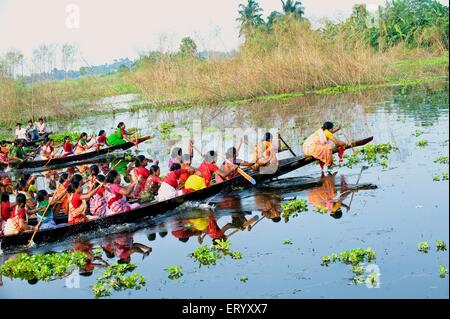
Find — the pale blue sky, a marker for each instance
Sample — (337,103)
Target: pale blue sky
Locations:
(112,29)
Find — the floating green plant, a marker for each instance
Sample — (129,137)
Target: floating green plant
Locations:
(166,129)
(422,143)
(442,160)
(293,207)
(441,246)
(42,266)
(443,272)
(442,177)
(243,278)
(423,246)
(174,272)
(114,279)
(417,133)
(287,242)
(371,154)
(209,254)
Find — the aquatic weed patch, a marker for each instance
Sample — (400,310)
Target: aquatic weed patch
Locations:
(371,154)
(422,143)
(355,258)
(114,279)
(443,272)
(43,266)
(243,279)
(417,133)
(441,246)
(442,160)
(287,242)
(166,129)
(294,207)
(209,254)
(423,247)
(174,272)
(440,177)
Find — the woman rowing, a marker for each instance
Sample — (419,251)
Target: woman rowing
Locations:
(265,153)
(116,195)
(205,172)
(77,203)
(68,147)
(317,146)
(43,201)
(97,204)
(18,221)
(170,186)
(230,161)
(47,149)
(120,135)
(101,139)
(84,143)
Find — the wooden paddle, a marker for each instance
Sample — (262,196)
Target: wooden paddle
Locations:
(289,148)
(246,176)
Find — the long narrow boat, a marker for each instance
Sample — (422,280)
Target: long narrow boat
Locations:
(30,143)
(75,158)
(154,208)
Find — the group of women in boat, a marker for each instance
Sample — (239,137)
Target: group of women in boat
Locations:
(97,195)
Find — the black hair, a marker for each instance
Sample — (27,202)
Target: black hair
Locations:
(151,237)
(111,176)
(267,136)
(63,177)
(163,234)
(67,137)
(21,184)
(18,142)
(94,169)
(84,134)
(154,169)
(100,179)
(41,195)
(73,186)
(120,124)
(101,132)
(212,153)
(41,119)
(184,239)
(21,200)
(33,281)
(5,197)
(327,126)
(337,214)
(26,176)
(18,124)
(175,166)
(30,121)
(141,157)
(138,162)
(276,219)
(76,178)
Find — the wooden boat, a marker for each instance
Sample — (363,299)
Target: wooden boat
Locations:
(32,143)
(63,230)
(75,158)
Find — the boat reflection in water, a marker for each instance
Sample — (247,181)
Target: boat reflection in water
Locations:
(122,246)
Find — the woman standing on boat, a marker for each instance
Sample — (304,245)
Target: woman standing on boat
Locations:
(317,145)
(120,135)
(116,195)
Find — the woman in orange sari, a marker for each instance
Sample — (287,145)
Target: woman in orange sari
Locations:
(316,145)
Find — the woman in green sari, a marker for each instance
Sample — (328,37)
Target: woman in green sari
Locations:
(120,136)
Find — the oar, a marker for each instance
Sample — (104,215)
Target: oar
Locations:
(289,148)
(357,181)
(246,176)
(250,226)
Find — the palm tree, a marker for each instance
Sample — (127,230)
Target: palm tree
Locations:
(272,18)
(293,7)
(250,16)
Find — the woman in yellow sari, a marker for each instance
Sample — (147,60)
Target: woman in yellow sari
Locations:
(316,145)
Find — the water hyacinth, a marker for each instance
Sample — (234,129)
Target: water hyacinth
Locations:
(293,207)
(371,154)
(174,272)
(209,254)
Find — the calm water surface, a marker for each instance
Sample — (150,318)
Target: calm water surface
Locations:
(393,209)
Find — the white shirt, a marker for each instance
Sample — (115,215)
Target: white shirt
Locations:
(20,134)
(42,127)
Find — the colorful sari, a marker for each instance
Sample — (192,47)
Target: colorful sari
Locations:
(316,145)
(78,214)
(116,138)
(116,202)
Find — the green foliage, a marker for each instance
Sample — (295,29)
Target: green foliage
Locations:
(422,143)
(417,133)
(250,17)
(442,177)
(188,48)
(174,272)
(440,245)
(371,154)
(58,138)
(209,254)
(166,129)
(42,266)
(442,160)
(287,242)
(147,196)
(293,207)
(423,247)
(443,272)
(114,279)
(243,278)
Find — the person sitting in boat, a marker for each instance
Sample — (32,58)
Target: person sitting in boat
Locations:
(265,154)
(20,133)
(175,156)
(4,151)
(120,135)
(317,146)
(230,161)
(101,140)
(6,209)
(94,171)
(18,221)
(170,184)
(42,127)
(60,197)
(97,204)
(20,152)
(154,181)
(68,147)
(84,143)
(77,202)
(43,201)
(140,174)
(204,174)
(32,131)
(47,149)
(116,195)
(22,188)
(186,161)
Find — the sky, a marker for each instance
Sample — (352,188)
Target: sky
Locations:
(111,29)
